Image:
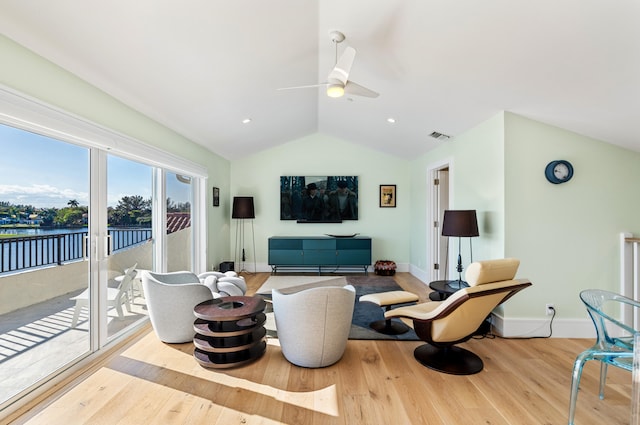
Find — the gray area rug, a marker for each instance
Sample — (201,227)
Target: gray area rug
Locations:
(363,314)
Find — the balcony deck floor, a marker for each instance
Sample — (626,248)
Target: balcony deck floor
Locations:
(35,341)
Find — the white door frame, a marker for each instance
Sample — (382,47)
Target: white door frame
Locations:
(439,199)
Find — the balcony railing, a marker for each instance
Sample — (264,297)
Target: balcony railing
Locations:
(124,238)
(23,252)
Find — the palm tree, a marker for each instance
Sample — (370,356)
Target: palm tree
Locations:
(73,203)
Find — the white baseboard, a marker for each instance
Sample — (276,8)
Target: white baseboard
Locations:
(402,267)
(419,273)
(526,328)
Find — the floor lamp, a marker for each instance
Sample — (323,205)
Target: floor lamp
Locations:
(243,209)
(463,224)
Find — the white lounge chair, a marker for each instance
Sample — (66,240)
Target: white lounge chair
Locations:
(116,297)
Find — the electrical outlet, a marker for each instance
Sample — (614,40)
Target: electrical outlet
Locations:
(549,309)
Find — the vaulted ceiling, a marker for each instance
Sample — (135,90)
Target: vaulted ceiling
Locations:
(201,67)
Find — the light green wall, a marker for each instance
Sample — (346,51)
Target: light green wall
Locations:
(476,182)
(567,235)
(32,75)
(318,154)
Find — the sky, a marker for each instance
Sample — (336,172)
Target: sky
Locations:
(44,172)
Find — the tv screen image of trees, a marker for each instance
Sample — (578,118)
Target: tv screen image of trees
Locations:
(319,198)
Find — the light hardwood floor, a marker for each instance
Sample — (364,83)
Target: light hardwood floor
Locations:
(376,382)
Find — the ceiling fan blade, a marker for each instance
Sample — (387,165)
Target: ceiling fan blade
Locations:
(358,90)
(341,71)
(303,87)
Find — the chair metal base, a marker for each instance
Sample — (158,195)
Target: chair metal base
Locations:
(453,360)
(389,327)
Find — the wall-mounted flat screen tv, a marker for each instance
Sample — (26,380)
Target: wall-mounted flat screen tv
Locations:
(319,199)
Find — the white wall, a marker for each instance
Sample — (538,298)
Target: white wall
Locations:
(259,176)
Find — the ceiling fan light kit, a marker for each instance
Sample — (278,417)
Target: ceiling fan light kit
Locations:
(335,90)
(338,82)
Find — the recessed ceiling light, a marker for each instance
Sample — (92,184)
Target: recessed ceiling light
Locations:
(246,121)
(391,120)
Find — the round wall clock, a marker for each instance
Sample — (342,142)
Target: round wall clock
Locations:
(559,171)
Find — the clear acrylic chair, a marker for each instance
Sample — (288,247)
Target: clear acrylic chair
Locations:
(635,386)
(614,339)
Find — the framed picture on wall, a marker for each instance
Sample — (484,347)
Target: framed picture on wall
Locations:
(387,196)
(216,197)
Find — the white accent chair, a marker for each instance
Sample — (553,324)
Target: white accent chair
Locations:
(116,297)
(313,323)
(171,298)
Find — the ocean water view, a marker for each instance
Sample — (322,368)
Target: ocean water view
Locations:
(29,231)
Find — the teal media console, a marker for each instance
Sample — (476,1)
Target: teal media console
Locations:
(319,252)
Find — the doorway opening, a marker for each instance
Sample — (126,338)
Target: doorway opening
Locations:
(439,184)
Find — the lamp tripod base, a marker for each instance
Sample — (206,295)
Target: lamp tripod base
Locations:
(241,254)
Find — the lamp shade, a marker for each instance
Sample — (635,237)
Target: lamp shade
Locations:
(461,223)
(243,207)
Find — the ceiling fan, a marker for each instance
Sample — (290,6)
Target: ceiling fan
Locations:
(338,82)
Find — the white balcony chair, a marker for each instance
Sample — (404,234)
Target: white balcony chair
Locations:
(116,297)
(136,283)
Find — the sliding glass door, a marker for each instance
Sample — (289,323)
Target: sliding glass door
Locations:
(130,247)
(82,211)
(44,250)
(179,242)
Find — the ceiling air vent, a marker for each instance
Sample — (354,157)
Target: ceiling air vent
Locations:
(439,136)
